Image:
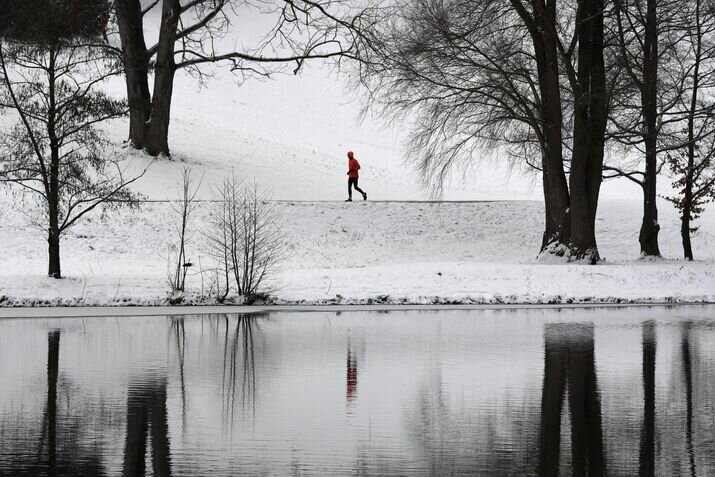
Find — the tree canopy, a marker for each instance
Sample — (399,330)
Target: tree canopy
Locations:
(47,21)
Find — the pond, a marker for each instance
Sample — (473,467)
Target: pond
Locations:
(599,391)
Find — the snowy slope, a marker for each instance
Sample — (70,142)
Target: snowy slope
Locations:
(364,252)
(292,134)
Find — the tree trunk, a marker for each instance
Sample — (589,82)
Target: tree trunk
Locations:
(158,132)
(157,140)
(649,228)
(53,241)
(136,69)
(53,181)
(588,130)
(556,194)
(685,234)
(687,209)
(648,237)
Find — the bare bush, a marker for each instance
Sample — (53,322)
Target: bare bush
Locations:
(244,239)
(221,234)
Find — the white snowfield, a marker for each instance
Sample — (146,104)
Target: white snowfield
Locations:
(366,253)
(291,135)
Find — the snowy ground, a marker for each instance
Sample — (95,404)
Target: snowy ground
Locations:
(374,252)
(291,135)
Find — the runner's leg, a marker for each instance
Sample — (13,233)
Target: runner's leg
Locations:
(364,195)
(356,186)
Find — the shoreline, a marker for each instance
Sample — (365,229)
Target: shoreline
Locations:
(163,310)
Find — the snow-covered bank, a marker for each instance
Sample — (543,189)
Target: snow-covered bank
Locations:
(374,252)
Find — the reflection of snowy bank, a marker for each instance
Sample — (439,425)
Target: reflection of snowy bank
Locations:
(374,252)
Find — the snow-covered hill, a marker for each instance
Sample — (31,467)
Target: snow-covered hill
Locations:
(365,252)
(291,134)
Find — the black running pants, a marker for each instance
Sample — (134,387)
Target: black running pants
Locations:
(353,182)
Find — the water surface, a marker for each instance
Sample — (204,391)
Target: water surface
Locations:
(628,391)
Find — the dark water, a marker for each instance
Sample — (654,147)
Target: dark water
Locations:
(521,392)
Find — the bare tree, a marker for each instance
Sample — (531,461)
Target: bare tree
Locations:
(587,78)
(469,73)
(504,74)
(693,164)
(645,35)
(189,33)
(264,244)
(55,152)
(244,238)
(221,237)
(183,209)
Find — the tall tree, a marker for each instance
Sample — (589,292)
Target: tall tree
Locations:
(646,35)
(648,237)
(188,34)
(693,160)
(507,74)
(55,152)
(541,24)
(588,83)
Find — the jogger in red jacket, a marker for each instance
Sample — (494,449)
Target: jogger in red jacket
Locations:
(353,176)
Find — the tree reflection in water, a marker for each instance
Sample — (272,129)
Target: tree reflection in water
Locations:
(147,418)
(59,449)
(569,366)
(53,363)
(647,444)
(179,331)
(688,381)
(239,364)
(69,414)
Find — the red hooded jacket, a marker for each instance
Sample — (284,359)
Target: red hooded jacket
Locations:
(354,167)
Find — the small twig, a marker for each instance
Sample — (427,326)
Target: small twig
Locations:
(116,293)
